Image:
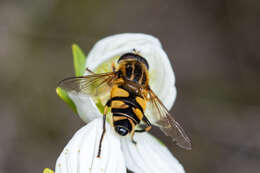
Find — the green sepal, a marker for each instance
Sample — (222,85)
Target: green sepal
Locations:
(79,60)
(100,107)
(65,97)
(47,170)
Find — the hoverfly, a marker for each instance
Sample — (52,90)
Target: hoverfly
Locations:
(130,95)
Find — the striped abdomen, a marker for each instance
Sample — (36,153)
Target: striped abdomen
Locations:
(126,106)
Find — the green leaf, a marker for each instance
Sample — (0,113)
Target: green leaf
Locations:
(47,170)
(79,60)
(64,96)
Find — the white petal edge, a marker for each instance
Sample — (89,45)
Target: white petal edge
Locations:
(149,156)
(80,154)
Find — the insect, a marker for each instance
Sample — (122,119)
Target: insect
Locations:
(130,95)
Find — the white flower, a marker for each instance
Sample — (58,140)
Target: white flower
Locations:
(100,58)
(148,155)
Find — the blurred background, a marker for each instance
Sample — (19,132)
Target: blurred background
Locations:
(213,46)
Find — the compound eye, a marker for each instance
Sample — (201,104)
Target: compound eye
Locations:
(121,130)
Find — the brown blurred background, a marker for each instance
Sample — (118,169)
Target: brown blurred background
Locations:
(213,46)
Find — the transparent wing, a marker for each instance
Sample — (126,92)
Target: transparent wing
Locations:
(163,119)
(93,85)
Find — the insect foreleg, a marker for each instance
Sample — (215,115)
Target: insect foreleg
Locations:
(113,67)
(90,71)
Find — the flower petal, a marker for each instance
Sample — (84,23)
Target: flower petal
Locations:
(86,107)
(149,155)
(80,154)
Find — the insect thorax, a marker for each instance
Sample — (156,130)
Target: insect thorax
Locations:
(135,71)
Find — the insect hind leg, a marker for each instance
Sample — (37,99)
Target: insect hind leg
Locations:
(132,138)
(102,136)
(147,127)
(104,130)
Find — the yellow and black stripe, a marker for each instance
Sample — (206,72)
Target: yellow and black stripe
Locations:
(127,103)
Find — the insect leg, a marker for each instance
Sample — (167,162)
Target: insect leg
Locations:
(147,127)
(102,136)
(132,138)
(104,129)
(113,67)
(90,71)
